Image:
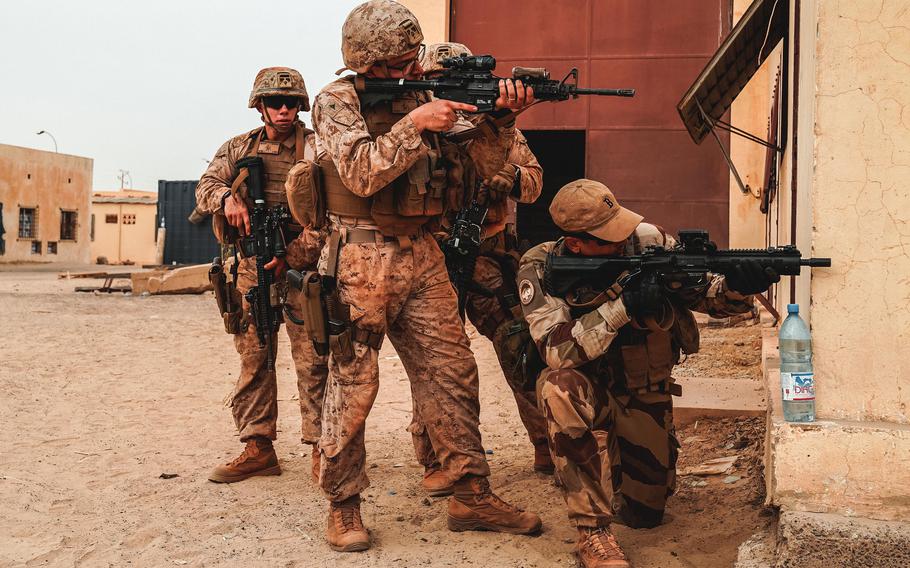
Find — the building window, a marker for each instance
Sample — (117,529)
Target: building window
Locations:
(68,225)
(110,219)
(36,247)
(51,247)
(28,223)
(91,234)
(129,218)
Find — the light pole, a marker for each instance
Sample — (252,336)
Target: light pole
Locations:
(52,138)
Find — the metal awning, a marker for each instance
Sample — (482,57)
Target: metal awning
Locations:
(755,36)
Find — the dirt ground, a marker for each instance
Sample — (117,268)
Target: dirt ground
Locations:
(104,393)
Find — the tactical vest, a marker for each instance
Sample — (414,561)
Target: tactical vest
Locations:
(413,198)
(277,159)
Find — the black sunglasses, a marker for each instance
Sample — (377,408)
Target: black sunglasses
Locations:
(278,101)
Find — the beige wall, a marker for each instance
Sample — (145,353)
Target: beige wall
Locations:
(50,182)
(861,210)
(120,242)
(433,16)
(750,111)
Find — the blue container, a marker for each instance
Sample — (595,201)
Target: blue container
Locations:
(797,381)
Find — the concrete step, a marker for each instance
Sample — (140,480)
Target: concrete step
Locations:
(718,397)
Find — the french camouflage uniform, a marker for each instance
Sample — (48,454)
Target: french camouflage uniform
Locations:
(385,185)
(498,317)
(255,398)
(606,390)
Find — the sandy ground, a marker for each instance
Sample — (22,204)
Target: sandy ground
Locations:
(104,393)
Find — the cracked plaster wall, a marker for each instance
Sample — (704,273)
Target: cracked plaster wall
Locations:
(861,210)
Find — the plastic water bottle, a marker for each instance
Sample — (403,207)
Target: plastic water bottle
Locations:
(797,381)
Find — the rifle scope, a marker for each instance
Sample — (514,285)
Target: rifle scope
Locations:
(470,62)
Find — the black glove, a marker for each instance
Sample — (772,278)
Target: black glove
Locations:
(748,277)
(642,300)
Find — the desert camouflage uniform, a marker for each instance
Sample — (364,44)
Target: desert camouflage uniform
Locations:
(499,318)
(399,287)
(255,399)
(614,448)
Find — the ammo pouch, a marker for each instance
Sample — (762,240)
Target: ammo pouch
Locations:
(647,364)
(304,192)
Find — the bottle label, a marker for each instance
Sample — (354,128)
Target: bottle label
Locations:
(797,386)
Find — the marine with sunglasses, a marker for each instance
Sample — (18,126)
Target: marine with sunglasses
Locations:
(278,94)
(386,177)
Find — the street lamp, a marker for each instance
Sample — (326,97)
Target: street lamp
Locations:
(52,138)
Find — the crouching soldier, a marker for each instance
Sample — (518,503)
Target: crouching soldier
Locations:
(606,389)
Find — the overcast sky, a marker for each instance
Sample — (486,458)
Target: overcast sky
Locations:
(152,87)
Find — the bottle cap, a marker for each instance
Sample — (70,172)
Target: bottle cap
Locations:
(792,308)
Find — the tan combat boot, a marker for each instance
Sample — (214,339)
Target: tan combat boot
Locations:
(436,483)
(597,548)
(345,528)
(316,462)
(258,458)
(543,463)
(475,507)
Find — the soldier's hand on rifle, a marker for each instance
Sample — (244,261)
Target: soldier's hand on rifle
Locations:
(237,214)
(438,115)
(514,95)
(278,265)
(748,277)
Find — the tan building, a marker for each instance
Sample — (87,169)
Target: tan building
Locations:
(44,206)
(123,226)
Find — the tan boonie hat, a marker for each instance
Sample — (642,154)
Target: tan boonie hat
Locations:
(588,206)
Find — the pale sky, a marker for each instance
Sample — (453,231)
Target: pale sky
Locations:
(152,87)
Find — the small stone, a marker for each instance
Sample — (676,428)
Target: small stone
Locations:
(732,479)
(373,466)
(399,518)
(701,483)
(427,503)
(398,465)
(489,452)
(393,492)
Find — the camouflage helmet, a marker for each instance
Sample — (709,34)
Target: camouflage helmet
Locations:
(282,81)
(439,51)
(376,31)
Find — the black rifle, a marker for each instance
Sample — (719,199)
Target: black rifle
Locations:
(689,263)
(266,240)
(469,79)
(461,250)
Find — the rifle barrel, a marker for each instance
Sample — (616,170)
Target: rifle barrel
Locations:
(816,262)
(607,92)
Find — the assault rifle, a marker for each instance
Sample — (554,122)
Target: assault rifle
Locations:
(660,269)
(265,241)
(469,79)
(461,250)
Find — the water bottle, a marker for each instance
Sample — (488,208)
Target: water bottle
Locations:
(797,382)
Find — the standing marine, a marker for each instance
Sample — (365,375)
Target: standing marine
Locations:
(279,94)
(385,177)
(606,389)
(495,312)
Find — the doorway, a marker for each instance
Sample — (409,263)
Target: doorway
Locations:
(561,154)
